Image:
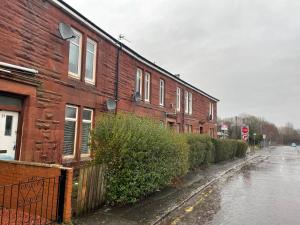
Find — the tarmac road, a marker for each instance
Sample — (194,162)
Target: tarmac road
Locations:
(267,193)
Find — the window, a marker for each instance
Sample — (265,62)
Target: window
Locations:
(138,82)
(90,67)
(178,97)
(161,92)
(70,130)
(8,125)
(147,87)
(201,130)
(211,111)
(188,128)
(87,119)
(188,102)
(75,55)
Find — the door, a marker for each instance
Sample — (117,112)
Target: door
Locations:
(8,134)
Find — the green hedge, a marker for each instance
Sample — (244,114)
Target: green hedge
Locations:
(141,156)
(228,149)
(201,149)
(241,149)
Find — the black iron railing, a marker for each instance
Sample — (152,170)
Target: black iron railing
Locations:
(34,201)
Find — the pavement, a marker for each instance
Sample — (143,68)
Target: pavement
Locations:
(159,205)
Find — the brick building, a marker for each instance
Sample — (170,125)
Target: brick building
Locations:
(52,89)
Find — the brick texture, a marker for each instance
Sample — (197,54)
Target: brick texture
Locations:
(29,37)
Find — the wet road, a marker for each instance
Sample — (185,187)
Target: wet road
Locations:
(267,193)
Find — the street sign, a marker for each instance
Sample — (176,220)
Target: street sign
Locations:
(264,136)
(224,127)
(245,130)
(245,133)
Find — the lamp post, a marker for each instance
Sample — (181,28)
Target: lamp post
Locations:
(254,135)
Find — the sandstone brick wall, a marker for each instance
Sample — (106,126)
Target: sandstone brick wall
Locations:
(29,37)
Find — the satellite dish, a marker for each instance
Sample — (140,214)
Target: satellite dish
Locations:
(66,31)
(111,104)
(137,97)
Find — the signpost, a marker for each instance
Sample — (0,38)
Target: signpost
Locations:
(245,133)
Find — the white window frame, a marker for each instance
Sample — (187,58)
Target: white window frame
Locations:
(147,86)
(71,74)
(76,130)
(139,81)
(91,122)
(186,102)
(161,92)
(190,103)
(94,61)
(178,99)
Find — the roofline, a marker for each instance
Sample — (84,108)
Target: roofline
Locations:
(71,11)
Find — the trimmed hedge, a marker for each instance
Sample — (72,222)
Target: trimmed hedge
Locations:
(228,149)
(141,156)
(201,149)
(241,149)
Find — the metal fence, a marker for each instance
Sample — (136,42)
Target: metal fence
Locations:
(33,201)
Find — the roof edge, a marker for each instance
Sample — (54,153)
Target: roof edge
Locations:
(73,12)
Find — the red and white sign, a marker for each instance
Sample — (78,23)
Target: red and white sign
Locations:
(245,133)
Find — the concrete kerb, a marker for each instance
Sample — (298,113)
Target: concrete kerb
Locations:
(202,187)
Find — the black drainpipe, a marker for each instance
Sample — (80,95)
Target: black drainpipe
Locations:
(119,49)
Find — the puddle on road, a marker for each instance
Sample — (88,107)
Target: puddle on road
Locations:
(264,194)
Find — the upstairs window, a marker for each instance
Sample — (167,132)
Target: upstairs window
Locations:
(70,130)
(188,103)
(90,67)
(75,55)
(138,82)
(161,92)
(178,98)
(87,119)
(147,87)
(211,111)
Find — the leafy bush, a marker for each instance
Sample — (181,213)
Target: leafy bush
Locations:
(224,149)
(141,156)
(241,149)
(201,149)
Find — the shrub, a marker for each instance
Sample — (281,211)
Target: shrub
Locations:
(241,149)
(224,149)
(141,156)
(200,149)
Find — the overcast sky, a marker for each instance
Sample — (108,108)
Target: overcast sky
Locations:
(244,52)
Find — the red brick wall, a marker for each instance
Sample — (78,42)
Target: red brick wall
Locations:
(29,37)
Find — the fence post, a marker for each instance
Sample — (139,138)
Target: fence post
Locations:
(61,197)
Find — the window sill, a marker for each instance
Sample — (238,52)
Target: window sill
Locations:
(74,76)
(92,83)
(85,158)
